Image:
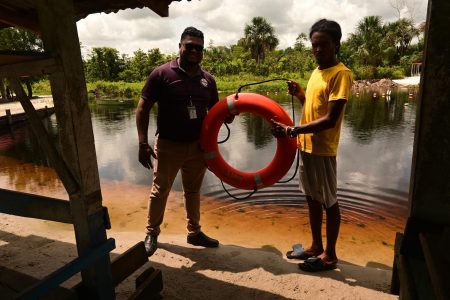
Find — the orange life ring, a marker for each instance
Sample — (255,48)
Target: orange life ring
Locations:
(263,107)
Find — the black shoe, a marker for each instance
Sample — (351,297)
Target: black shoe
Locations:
(151,244)
(201,239)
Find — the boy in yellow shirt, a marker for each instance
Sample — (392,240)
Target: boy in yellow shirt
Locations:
(317,135)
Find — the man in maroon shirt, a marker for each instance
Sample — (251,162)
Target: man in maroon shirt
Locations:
(184,93)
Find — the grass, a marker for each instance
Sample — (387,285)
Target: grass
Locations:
(230,83)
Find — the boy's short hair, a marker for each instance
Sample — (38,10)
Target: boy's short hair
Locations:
(327,26)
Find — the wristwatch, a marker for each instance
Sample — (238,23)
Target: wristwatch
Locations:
(291,132)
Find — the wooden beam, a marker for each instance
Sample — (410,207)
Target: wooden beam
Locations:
(60,37)
(148,285)
(34,206)
(12,282)
(430,179)
(41,66)
(65,174)
(161,7)
(435,248)
(128,262)
(26,20)
(62,274)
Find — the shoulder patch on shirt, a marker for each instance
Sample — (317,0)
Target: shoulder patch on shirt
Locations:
(204,82)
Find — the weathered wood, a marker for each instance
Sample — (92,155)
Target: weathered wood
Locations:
(160,7)
(34,206)
(59,34)
(11,119)
(395,280)
(128,262)
(27,20)
(430,179)
(13,282)
(41,66)
(150,286)
(59,276)
(436,249)
(66,176)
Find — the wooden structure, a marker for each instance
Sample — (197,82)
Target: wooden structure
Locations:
(76,164)
(422,261)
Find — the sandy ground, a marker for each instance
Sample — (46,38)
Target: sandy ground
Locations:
(249,264)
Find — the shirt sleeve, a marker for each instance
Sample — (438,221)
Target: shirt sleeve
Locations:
(340,86)
(214,93)
(152,88)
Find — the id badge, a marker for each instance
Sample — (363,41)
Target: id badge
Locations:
(192,112)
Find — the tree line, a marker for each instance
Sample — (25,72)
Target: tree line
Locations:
(376,49)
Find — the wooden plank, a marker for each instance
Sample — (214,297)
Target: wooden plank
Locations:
(35,206)
(11,119)
(42,66)
(60,37)
(59,276)
(66,176)
(128,262)
(436,248)
(161,7)
(150,287)
(395,280)
(13,282)
(27,19)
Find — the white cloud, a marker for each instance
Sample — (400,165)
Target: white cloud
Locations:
(223,21)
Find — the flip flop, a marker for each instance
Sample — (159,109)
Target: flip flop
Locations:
(298,252)
(316,264)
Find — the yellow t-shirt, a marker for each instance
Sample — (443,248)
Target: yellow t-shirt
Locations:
(324,85)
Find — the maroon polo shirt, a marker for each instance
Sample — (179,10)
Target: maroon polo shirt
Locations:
(176,92)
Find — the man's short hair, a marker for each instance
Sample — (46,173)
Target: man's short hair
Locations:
(327,26)
(192,31)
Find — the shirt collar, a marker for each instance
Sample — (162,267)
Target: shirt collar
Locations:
(175,65)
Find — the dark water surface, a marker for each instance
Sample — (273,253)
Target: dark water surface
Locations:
(374,160)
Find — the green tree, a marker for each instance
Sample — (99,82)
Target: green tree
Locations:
(300,42)
(15,39)
(259,38)
(104,63)
(400,34)
(19,40)
(368,41)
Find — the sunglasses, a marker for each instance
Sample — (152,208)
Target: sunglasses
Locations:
(190,47)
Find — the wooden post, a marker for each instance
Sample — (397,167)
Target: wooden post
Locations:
(430,179)
(60,37)
(8,116)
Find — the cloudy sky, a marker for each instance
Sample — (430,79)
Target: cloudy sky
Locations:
(223,21)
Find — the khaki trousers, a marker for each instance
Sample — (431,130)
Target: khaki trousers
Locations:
(171,158)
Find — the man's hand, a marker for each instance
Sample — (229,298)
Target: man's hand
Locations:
(278,129)
(145,155)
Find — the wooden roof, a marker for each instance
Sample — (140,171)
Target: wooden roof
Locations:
(23,13)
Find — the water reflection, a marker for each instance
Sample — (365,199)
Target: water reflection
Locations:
(374,161)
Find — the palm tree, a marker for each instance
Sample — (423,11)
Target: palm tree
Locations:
(400,33)
(368,41)
(259,38)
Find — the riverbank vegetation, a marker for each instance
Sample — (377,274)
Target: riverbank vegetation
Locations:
(376,49)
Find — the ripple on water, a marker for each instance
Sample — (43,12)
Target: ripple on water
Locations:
(358,205)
